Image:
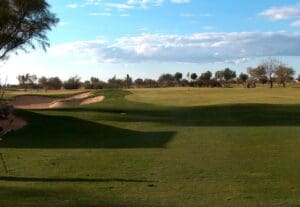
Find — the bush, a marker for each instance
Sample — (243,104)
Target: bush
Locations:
(5,109)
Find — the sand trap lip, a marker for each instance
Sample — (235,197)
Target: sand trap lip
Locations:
(92,100)
(42,102)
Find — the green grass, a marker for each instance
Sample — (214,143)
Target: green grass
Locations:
(159,147)
(9,94)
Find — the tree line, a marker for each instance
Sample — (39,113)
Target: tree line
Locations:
(268,72)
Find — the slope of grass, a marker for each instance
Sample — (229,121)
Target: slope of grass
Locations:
(153,150)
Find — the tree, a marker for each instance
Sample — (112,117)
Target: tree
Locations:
(128,81)
(205,78)
(43,82)
(194,76)
(271,65)
(115,83)
(54,83)
(149,83)
(166,80)
(24,23)
(178,76)
(258,74)
(26,80)
(95,83)
(284,74)
(243,78)
(72,83)
(139,83)
(87,85)
(219,75)
(229,75)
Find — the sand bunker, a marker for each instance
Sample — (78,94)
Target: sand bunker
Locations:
(12,123)
(41,102)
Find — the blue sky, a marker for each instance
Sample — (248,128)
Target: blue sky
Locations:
(145,38)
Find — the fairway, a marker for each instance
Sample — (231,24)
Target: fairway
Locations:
(158,147)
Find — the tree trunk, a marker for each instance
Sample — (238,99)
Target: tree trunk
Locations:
(271,83)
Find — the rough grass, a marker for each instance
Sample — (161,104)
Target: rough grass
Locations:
(168,147)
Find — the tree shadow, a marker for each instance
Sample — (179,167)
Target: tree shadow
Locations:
(70,180)
(218,115)
(36,196)
(45,131)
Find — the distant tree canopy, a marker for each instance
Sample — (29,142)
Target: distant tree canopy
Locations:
(94,83)
(271,65)
(53,83)
(194,76)
(258,74)
(206,76)
(229,75)
(178,76)
(72,83)
(284,74)
(166,80)
(23,24)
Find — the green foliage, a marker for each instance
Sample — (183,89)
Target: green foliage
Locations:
(229,75)
(166,80)
(72,83)
(194,76)
(5,109)
(243,77)
(94,83)
(27,80)
(178,76)
(24,23)
(206,76)
(52,83)
(284,74)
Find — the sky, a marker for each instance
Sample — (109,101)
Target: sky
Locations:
(145,38)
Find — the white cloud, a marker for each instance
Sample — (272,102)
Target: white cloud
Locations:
(61,23)
(119,6)
(196,48)
(180,1)
(72,6)
(142,4)
(84,4)
(281,13)
(100,14)
(296,24)
(124,15)
(125,4)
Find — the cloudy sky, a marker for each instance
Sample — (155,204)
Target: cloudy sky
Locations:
(145,38)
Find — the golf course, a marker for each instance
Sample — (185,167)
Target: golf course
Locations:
(157,147)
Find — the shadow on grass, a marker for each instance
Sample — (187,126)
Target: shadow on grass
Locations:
(71,180)
(220,115)
(67,132)
(36,196)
